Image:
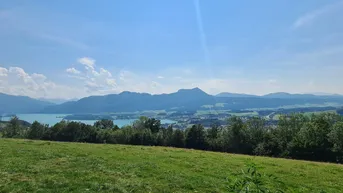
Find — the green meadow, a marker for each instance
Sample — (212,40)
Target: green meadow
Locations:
(43,166)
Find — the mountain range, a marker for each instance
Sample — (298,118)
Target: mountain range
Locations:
(21,104)
(283,95)
(56,101)
(183,99)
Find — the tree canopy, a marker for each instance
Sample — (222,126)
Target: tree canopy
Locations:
(318,137)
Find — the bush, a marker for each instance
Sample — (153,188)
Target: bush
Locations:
(251,180)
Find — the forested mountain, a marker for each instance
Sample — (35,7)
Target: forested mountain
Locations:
(279,95)
(184,99)
(229,94)
(131,101)
(288,95)
(21,104)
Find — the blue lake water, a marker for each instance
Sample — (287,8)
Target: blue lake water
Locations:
(52,119)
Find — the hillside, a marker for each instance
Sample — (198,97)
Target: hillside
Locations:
(21,104)
(229,94)
(184,99)
(288,95)
(42,166)
(131,101)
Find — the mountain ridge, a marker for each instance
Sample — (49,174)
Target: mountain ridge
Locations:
(230,94)
(21,104)
(133,101)
(183,99)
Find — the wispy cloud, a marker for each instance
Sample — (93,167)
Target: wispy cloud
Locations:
(3,71)
(17,81)
(311,16)
(72,71)
(89,62)
(95,81)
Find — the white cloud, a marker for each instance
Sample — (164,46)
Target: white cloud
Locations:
(105,72)
(3,71)
(160,77)
(311,16)
(88,62)
(155,84)
(95,81)
(125,75)
(111,82)
(39,77)
(17,82)
(72,71)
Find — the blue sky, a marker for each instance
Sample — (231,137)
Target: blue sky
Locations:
(72,49)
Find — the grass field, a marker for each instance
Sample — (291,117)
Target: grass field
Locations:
(42,166)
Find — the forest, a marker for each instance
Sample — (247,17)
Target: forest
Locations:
(318,137)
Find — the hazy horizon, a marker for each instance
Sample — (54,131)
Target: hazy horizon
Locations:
(62,100)
(73,49)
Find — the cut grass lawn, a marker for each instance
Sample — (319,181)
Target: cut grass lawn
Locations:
(42,166)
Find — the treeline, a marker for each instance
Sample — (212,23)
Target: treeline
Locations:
(318,137)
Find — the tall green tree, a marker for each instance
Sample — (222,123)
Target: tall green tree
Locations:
(178,138)
(13,128)
(335,137)
(235,137)
(37,130)
(312,142)
(287,128)
(255,128)
(104,124)
(195,137)
(213,138)
(153,124)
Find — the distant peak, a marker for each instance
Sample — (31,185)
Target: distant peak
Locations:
(125,92)
(196,89)
(230,94)
(132,93)
(279,93)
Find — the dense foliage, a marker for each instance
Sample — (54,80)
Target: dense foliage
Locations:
(318,137)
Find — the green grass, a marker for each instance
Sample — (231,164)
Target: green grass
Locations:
(42,166)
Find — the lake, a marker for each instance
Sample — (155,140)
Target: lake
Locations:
(52,119)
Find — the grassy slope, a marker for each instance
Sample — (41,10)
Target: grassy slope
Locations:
(41,166)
